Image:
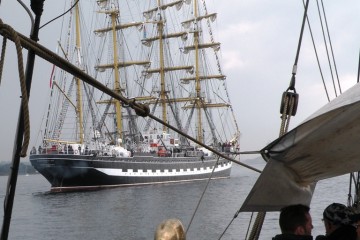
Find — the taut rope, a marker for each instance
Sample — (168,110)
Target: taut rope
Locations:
(288,108)
(2,57)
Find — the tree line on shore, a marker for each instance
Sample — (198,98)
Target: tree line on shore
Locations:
(24,168)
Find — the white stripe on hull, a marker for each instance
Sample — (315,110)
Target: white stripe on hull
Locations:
(158,173)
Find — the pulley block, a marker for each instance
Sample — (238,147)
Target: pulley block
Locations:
(289,98)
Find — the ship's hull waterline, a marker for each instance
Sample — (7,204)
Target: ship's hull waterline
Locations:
(67,172)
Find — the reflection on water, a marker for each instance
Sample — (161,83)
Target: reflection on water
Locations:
(134,212)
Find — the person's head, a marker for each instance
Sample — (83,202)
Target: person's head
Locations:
(336,215)
(170,229)
(295,219)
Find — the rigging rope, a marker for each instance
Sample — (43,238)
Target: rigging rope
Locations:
(317,57)
(219,69)
(28,12)
(350,199)
(358,76)
(289,101)
(326,48)
(23,127)
(202,195)
(331,48)
(255,232)
(9,31)
(2,57)
(235,216)
(60,15)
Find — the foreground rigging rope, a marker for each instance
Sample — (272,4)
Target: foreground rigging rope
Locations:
(23,127)
(202,195)
(24,96)
(288,108)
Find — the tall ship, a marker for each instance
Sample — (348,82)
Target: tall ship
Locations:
(162,54)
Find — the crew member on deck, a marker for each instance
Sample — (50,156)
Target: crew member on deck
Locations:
(338,224)
(33,150)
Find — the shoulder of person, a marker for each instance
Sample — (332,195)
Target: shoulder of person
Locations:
(292,237)
(346,232)
(320,237)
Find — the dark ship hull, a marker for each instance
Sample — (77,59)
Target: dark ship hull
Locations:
(70,172)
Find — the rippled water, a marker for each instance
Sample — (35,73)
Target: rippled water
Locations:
(134,212)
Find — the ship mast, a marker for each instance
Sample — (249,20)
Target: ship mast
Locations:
(162,72)
(200,103)
(117,88)
(197,80)
(163,67)
(115,65)
(197,70)
(78,81)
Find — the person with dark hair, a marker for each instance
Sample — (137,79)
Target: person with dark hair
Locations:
(295,223)
(338,223)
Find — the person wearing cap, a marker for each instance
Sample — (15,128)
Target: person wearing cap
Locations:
(295,223)
(170,229)
(338,225)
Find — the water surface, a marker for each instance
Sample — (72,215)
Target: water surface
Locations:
(134,212)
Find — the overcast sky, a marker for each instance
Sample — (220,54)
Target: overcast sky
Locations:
(259,40)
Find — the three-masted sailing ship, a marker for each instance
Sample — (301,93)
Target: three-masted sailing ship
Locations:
(160,53)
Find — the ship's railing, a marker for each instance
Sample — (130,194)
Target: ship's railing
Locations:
(54,150)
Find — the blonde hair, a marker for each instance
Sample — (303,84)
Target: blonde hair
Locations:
(170,229)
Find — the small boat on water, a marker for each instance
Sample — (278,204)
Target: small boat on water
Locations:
(140,51)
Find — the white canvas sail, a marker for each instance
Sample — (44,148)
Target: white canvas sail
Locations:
(321,147)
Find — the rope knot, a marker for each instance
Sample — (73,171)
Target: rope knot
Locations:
(141,110)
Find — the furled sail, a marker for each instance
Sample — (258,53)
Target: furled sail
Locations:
(324,146)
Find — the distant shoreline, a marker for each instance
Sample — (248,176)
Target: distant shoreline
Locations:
(24,168)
